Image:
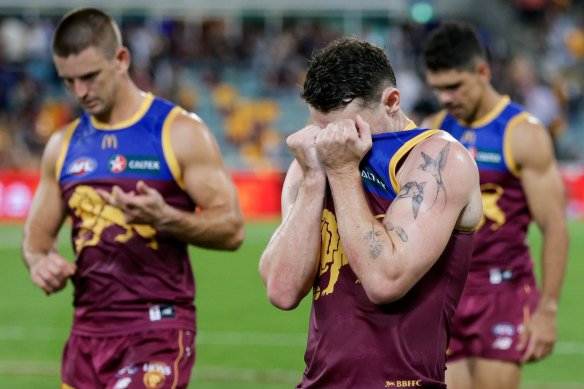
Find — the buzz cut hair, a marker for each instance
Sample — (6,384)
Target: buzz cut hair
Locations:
(455,45)
(83,28)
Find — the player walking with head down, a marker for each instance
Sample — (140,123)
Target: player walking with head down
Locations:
(129,172)
(500,322)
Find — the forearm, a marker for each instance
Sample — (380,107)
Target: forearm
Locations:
(366,243)
(554,258)
(289,263)
(216,228)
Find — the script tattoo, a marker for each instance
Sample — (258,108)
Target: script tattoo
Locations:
(414,191)
(375,245)
(435,166)
(398,230)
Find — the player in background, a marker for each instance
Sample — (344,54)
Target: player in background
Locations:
(502,320)
(130,173)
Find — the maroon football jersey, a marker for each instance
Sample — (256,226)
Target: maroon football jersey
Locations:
(501,253)
(353,343)
(129,277)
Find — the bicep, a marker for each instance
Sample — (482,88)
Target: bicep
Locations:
(544,190)
(540,178)
(204,175)
(48,210)
(435,187)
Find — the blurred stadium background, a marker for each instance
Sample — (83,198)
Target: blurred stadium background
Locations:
(238,65)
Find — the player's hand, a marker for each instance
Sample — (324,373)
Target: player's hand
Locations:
(302,146)
(143,206)
(51,273)
(540,335)
(342,145)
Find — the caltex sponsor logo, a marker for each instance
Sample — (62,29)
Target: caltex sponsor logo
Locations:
(117,163)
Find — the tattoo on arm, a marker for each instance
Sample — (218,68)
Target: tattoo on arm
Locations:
(414,191)
(435,166)
(375,245)
(398,230)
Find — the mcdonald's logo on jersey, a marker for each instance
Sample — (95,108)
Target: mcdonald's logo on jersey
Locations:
(468,138)
(109,142)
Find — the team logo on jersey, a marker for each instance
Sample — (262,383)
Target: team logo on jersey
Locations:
(96,216)
(369,178)
(155,374)
(332,257)
(117,163)
(491,193)
(82,166)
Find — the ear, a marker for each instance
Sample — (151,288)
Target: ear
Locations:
(484,71)
(123,59)
(391,100)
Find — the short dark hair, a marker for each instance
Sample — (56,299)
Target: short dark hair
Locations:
(344,70)
(454,45)
(84,28)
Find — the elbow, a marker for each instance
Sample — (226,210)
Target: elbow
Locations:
(282,300)
(279,295)
(385,292)
(235,235)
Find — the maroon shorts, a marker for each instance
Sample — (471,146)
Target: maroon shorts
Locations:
(161,359)
(489,325)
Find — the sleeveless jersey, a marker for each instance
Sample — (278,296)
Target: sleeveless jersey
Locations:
(129,277)
(501,253)
(354,343)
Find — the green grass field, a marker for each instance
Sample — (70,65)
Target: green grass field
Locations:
(243,342)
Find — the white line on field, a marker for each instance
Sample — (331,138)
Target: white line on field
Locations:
(46,333)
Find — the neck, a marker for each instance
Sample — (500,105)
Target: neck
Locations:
(489,100)
(127,101)
(394,123)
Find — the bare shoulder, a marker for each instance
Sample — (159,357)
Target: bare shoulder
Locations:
(192,140)
(443,157)
(433,120)
(531,144)
(54,146)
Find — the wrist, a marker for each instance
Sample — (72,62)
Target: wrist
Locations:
(343,172)
(168,216)
(548,304)
(314,177)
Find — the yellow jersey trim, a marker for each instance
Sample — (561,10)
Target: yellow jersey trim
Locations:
(65,386)
(496,111)
(507,154)
(64,147)
(167,147)
(439,118)
(403,151)
(148,99)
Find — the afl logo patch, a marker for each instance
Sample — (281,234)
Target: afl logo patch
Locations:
(82,166)
(117,163)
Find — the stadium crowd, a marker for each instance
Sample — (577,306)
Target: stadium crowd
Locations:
(242,75)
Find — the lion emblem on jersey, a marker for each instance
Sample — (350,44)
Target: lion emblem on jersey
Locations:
(491,193)
(96,216)
(332,257)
